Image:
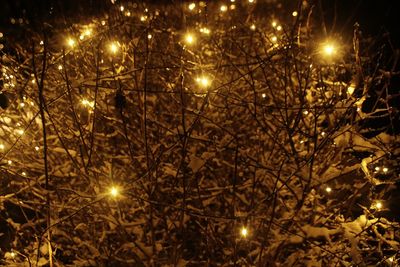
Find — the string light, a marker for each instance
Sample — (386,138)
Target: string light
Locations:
(279,28)
(294,14)
(329,49)
(71,42)
(223,8)
(385,169)
(244,232)
(377,205)
(264,95)
(253,27)
(205,30)
(143,18)
(377,168)
(114,191)
(203,81)
(2,146)
(113,47)
(189,39)
(23,173)
(274,39)
(192,6)
(251,1)
(9,162)
(274,24)
(149,36)
(328,189)
(350,90)
(37,148)
(60,67)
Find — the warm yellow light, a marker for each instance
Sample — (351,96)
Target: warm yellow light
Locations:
(294,14)
(244,232)
(143,18)
(274,23)
(23,173)
(87,32)
(279,28)
(2,146)
(20,131)
(251,1)
(113,47)
(87,103)
(192,6)
(205,30)
(9,162)
(378,205)
(149,36)
(203,81)
(71,42)
(223,8)
(264,95)
(253,27)
(350,90)
(328,189)
(232,7)
(189,38)
(114,191)
(274,39)
(13,254)
(329,49)
(385,169)
(377,168)
(37,148)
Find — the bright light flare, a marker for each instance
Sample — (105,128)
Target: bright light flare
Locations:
(244,232)
(70,42)
(113,47)
(190,39)
(114,191)
(192,6)
(203,81)
(87,103)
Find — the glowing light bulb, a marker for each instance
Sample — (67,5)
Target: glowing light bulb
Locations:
(122,8)
(71,42)
(263,95)
(251,1)
(22,104)
(328,189)
(189,39)
(192,6)
(385,169)
(294,13)
(37,148)
(232,7)
(23,173)
(149,36)
(113,47)
(60,67)
(223,8)
(203,81)
(377,168)
(114,191)
(274,23)
(279,28)
(20,131)
(274,39)
(13,254)
(9,162)
(143,18)
(2,146)
(253,27)
(329,49)
(244,232)
(378,205)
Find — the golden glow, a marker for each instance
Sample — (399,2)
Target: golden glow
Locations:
(263,95)
(143,18)
(23,173)
(274,39)
(244,232)
(12,254)
(149,36)
(113,47)
(253,27)
(71,42)
(122,8)
(274,24)
(279,28)
(203,81)
(114,191)
(9,162)
(328,189)
(385,169)
(377,168)
(350,90)
(2,146)
(378,205)
(87,103)
(20,131)
(189,39)
(59,67)
(329,49)
(251,1)
(37,148)
(205,30)
(192,6)
(223,8)
(294,14)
